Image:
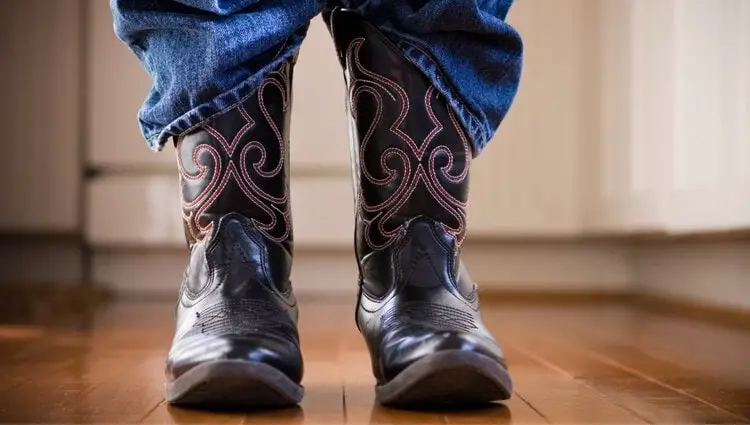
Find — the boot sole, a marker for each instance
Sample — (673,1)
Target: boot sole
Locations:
(234,384)
(450,379)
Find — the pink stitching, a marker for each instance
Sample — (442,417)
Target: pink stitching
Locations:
(467,151)
(255,144)
(405,105)
(378,115)
(214,177)
(240,174)
(411,177)
(248,179)
(401,187)
(270,122)
(438,125)
(350,53)
(433,175)
(424,52)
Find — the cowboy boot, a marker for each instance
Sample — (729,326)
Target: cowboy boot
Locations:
(417,307)
(236,340)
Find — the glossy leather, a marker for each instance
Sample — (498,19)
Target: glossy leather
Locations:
(411,162)
(236,299)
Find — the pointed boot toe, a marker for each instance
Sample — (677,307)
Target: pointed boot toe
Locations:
(448,368)
(418,309)
(236,342)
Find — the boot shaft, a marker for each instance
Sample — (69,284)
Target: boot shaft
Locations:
(237,162)
(234,177)
(411,163)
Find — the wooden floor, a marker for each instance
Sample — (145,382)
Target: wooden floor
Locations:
(578,364)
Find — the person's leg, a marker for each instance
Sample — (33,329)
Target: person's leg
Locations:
(203,56)
(222,76)
(467,49)
(429,83)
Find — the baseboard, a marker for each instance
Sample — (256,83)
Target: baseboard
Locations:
(559,266)
(518,266)
(703,279)
(696,310)
(713,273)
(42,260)
(563,297)
(51,303)
(716,208)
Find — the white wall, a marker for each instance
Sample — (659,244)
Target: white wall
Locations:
(711,151)
(40,45)
(40,113)
(674,143)
(558,267)
(674,140)
(528,181)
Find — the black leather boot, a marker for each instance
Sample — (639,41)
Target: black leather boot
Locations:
(418,309)
(236,340)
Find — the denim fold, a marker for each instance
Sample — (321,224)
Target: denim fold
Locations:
(205,56)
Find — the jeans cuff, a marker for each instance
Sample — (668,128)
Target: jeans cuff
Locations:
(157,137)
(478,129)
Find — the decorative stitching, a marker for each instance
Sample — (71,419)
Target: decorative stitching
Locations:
(243,317)
(226,168)
(451,90)
(436,317)
(418,165)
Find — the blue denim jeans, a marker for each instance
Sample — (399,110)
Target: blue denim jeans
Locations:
(204,56)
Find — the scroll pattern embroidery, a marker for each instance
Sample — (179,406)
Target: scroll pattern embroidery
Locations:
(417,159)
(226,162)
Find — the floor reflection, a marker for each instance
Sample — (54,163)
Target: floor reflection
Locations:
(107,366)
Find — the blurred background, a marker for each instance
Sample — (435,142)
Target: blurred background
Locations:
(623,167)
(620,179)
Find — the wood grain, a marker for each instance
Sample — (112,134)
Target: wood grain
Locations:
(577,363)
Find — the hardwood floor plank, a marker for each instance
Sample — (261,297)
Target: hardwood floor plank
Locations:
(321,338)
(167,414)
(651,399)
(359,391)
(701,360)
(685,381)
(65,375)
(559,397)
(324,393)
(577,364)
(112,401)
(361,407)
(514,411)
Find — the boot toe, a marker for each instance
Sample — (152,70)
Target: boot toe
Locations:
(273,351)
(403,351)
